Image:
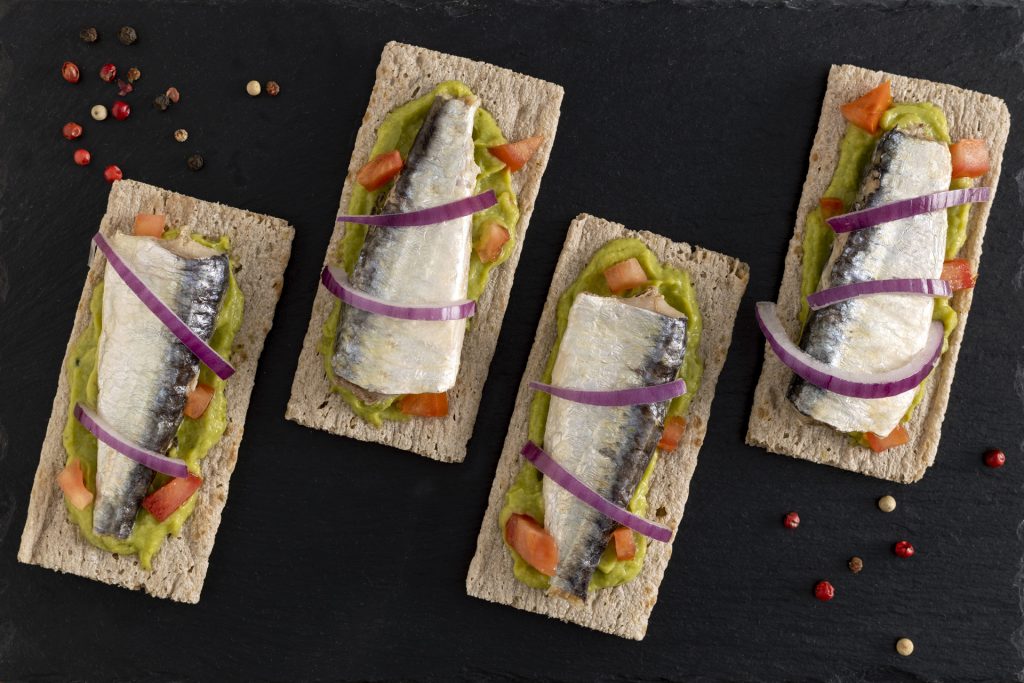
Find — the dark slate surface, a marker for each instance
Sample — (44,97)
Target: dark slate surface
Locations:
(343,560)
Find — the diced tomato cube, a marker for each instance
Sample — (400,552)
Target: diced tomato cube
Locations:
(866,111)
(380,170)
(957,272)
(493,236)
(896,437)
(831,206)
(163,502)
(625,275)
(149,225)
(424,405)
(72,483)
(198,401)
(533,543)
(625,544)
(516,154)
(673,432)
(970,158)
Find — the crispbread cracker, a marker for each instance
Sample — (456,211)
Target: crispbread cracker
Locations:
(260,246)
(774,423)
(719,282)
(522,106)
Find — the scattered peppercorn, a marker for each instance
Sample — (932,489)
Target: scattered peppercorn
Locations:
(196,162)
(995,458)
(123,88)
(181,135)
(905,646)
(120,110)
(791,520)
(82,157)
(89,34)
(70,72)
(108,72)
(112,173)
(127,35)
(824,591)
(98,112)
(903,549)
(173,95)
(856,564)
(272,88)
(161,102)
(253,88)
(886,503)
(71,130)
(133,74)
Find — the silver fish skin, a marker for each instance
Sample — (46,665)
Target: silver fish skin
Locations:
(145,374)
(425,265)
(880,332)
(609,343)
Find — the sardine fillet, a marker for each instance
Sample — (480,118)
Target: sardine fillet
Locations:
(881,332)
(609,343)
(425,265)
(144,372)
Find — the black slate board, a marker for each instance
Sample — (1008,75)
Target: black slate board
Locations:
(344,560)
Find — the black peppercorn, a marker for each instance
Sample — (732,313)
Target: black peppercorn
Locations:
(161,102)
(195,162)
(272,88)
(127,35)
(856,564)
(133,74)
(89,34)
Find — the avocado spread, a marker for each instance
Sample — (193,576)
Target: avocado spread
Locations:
(194,438)
(855,153)
(525,496)
(398,131)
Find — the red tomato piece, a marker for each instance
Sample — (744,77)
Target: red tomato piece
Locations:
(831,206)
(673,432)
(970,158)
(492,238)
(424,405)
(866,111)
(198,401)
(625,545)
(533,543)
(516,154)
(896,437)
(149,225)
(72,483)
(163,502)
(957,272)
(625,275)
(380,170)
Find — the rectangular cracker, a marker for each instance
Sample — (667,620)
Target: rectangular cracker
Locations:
(623,611)
(260,247)
(774,423)
(523,106)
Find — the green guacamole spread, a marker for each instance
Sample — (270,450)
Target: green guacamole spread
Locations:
(525,496)
(398,131)
(854,156)
(194,439)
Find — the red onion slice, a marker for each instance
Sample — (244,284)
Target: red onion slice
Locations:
(558,474)
(203,351)
(616,398)
(336,281)
(105,433)
(833,295)
(905,208)
(849,382)
(428,216)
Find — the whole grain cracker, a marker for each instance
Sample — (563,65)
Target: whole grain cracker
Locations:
(719,282)
(522,106)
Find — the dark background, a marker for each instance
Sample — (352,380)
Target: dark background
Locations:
(344,560)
